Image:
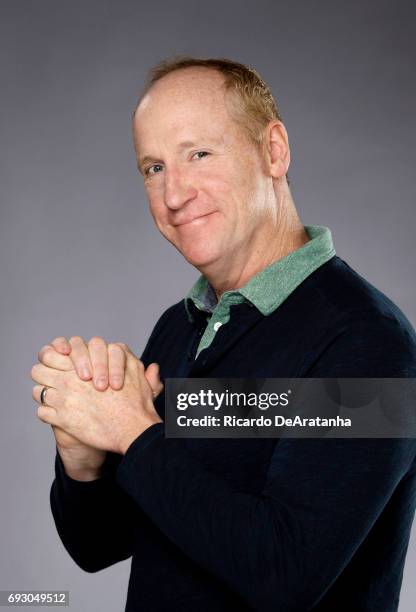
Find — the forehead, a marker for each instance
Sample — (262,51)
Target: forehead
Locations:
(182,101)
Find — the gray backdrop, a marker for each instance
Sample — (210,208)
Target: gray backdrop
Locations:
(79,254)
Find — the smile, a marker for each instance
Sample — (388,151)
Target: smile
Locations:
(194,220)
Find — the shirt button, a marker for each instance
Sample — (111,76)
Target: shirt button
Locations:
(217,325)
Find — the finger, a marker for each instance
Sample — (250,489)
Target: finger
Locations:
(99,361)
(81,358)
(52,397)
(116,365)
(152,374)
(45,376)
(47,414)
(125,348)
(134,365)
(62,345)
(50,357)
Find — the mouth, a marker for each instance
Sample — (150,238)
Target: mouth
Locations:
(194,220)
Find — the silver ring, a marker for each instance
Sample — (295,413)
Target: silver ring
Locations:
(43,395)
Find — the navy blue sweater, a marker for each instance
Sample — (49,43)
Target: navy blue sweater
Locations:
(263,524)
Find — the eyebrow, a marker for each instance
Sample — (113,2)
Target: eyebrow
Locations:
(186,144)
(144,160)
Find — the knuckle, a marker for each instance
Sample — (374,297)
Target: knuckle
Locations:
(116,352)
(47,348)
(41,412)
(34,371)
(45,414)
(96,340)
(122,345)
(76,340)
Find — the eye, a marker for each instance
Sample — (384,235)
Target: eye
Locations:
(155,169)
(200,154)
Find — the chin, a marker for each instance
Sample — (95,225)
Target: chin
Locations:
(199,256)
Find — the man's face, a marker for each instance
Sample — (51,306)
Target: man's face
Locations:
(204,179)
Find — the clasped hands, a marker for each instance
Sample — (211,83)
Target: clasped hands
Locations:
(100,396)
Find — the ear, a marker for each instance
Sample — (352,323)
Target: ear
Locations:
(277,146)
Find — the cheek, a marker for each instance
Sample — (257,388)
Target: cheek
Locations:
(249,190)
(230,195)
(231,179)
(156,205)
(220,189)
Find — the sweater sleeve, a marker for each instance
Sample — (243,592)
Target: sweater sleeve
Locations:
(284,548)
(94,519)
(97,520)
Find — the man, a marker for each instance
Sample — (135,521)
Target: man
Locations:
(217,524)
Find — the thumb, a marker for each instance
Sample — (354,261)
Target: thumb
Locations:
(152,374)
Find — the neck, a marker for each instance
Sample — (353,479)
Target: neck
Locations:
(280,234)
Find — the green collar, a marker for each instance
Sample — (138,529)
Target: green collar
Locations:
(272,285)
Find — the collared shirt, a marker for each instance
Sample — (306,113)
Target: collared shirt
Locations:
(268,289)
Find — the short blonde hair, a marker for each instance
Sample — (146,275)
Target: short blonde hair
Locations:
(254,106)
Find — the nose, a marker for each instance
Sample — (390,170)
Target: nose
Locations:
(178,189)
